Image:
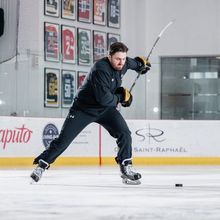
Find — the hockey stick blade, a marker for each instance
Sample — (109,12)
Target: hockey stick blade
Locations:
(149,54)
(159,36)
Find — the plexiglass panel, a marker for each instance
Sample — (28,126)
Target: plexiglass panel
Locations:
(190,88)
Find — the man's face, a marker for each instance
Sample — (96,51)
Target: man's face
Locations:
(117,60)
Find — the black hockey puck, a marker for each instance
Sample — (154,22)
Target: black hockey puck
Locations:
(178,185)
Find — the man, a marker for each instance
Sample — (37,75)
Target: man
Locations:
(96,101)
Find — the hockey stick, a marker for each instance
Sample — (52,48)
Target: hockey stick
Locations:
(148,56)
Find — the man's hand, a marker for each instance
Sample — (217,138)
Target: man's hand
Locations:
(126,97)
(144,64)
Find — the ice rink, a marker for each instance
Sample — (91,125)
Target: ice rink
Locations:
(97,193)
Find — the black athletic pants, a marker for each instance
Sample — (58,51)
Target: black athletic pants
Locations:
(77,120)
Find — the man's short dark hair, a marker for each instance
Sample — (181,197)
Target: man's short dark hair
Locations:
(117,47)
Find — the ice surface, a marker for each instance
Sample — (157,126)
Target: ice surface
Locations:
(97,193)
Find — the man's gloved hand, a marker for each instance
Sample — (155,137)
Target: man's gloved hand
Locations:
(125,96)
(144,64)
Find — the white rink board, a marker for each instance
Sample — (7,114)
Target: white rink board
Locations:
(169,138)
(23,137)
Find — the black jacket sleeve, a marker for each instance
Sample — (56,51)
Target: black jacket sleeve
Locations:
(134,64)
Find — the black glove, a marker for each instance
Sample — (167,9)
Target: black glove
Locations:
(125,96)
(144,64)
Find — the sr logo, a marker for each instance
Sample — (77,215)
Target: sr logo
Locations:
(149,134)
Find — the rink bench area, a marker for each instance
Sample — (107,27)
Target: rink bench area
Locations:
(155,142)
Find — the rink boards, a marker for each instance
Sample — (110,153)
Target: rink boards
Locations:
(154,142)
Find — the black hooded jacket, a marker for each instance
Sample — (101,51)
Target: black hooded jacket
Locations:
(97,93)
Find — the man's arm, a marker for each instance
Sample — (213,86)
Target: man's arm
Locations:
(139,64)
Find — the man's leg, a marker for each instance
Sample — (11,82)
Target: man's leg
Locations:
(75,122)
(115,124)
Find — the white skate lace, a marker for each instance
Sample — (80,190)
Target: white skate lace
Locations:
(130,170)
(38,171)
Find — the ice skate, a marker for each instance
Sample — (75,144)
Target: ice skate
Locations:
(128,174)
(38,171)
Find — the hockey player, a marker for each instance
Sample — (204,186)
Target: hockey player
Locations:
(96,101)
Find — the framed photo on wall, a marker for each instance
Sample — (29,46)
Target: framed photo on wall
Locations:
(68,44)
(114,13)
(84,46)
(68,87)
(68,9)
(52,8)
(84,10)
(99,12)
(51,42)
(112,38)
(81,75)
(99,45)
(51,87)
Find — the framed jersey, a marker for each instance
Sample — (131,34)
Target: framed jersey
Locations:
(51,87)
(81,75)
(84,10)
(52,8)
(68,87)
(68,9)
(84,46)
(112,38)
(114,13)
(68,44)
(99,45)
(51,42)
(99,12)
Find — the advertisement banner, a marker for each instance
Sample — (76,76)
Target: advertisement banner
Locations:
(28,137)
(163,138)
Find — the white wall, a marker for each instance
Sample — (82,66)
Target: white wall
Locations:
(195,32)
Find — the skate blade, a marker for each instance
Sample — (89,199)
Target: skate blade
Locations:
(34,178)
(131,182)
(32,181)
